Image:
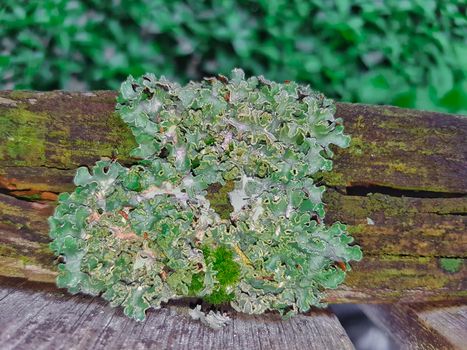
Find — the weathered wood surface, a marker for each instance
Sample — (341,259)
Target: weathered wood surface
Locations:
(37,317)
(423,326)
(401,187)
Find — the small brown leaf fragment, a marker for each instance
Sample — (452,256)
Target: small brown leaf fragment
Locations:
(341,265)
(222,78)
(123,233)
(316,218)
(124,214)
(210,79)
(163,86)
(163,275)
(125,236)
(267,278)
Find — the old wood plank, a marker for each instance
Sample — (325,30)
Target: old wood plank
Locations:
(9,285)
(34,318)
(402,262)
(391,147)
(388,225)
(414,161)
(423,326)
(402,149)
(450,321)
(400,278)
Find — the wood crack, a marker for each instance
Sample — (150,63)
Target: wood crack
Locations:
(363,190)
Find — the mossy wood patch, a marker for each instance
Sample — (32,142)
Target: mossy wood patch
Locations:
(414,161)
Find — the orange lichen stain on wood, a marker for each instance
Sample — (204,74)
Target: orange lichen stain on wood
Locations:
(35,195)
(25,188)
(8,184)
(49,196)
(11,184)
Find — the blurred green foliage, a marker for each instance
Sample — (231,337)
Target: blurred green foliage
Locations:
(411,53)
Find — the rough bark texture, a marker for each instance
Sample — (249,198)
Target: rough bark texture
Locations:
(401,187)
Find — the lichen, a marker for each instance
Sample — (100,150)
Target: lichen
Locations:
(221,206)
(215,320)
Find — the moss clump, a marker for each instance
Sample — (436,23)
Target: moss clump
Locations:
(222,258)
(451,265)
(196,284)
(227,273)
(219,296)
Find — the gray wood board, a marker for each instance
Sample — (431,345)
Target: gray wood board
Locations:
(423,326)
(49,319)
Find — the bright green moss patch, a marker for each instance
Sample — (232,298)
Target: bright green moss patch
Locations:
(219,296)
(196,284)
(451,265)
(228,271)
(227,274)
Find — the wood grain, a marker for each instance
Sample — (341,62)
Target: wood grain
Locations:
(423,326)
(33,317)
(401,187)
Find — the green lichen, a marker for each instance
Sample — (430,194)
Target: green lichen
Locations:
(451,265)
(222,205)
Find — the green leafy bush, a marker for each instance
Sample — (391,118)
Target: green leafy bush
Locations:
(150,233)
(407,53)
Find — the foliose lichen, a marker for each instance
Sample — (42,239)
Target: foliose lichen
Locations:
(221,205)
